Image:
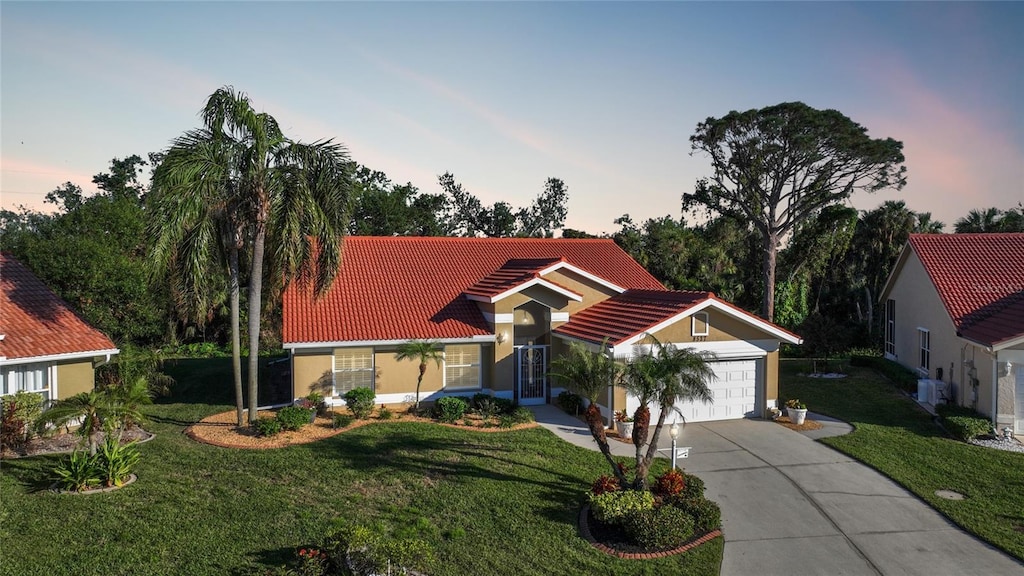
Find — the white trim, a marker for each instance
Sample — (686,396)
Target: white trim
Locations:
(479,371)
(482,339)
(499,318)
(334,371)
(925,370)
(724,350)
(559,316)
(58,357)
(596,348)
(433,396)
(584,273)
(520,287)
(693,324)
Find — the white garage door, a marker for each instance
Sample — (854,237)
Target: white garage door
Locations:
(734,392)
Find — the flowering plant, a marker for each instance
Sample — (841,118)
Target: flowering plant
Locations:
(796,404)
(312,562)
(622,416)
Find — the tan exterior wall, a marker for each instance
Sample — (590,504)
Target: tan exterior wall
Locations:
(771,376)
(74,377)
(396,377)
(721,328)
(918,305)
(311,371)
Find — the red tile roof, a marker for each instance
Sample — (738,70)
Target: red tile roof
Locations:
(511,275)
(400,288)
(980,279)
(35,322)
(629,314)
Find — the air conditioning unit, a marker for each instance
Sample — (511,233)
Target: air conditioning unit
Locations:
(924,390)
(938,392)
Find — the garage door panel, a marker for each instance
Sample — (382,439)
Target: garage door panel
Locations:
(733,392)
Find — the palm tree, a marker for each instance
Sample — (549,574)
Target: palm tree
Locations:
(925,224)
(639,377)
(93,408)
(245,187)
(683,375)
(588,373)
(986,220)
(423,352)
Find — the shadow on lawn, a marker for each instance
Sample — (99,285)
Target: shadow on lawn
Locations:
(455,460)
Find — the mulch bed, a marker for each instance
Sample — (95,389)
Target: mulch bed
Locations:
(66,442)
(612,540)
(222,430)
(807,425)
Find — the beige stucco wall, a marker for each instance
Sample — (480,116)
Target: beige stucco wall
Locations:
(771,376)
(74,377)
(918,305)
(311,371)
(722,328)
(397,377)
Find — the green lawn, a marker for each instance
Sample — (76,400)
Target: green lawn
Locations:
(895,436)
(501,503)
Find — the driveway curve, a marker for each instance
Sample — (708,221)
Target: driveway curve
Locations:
(793,506)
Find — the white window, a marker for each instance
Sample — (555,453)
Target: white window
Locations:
(890,327)
(25,377)
(353,368)
(925,337)
(462,366)
(699,324)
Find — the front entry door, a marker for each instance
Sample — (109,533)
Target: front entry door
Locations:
(531,374)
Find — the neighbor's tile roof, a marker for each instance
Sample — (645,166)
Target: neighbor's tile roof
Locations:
(980,279)
(400,288)
(629,314)
(35,322)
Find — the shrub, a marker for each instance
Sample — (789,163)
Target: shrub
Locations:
(506,421)
(693,488)
(343,420)
(451,408)
(478,398)
(360,402)
(522,415)
(706,514)
(659,528)
(570,402)
(366,551)
(614,507)
(504,405)
(311,562)
(294,417)
(79,472)
(963,423)
(116,462)
(385,413)
(12,428)
(267,426)
(487,408)
(670,483)
(604,483)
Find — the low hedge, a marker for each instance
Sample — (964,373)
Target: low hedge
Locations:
(659,528)
(706,514)
(963,423)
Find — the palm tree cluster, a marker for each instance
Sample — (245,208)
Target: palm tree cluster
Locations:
(657,373)
(237,197)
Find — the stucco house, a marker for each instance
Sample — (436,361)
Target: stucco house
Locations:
(44,346)
(954,312)
(502,308)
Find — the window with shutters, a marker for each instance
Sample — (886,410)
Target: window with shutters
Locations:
(925,338)
(27,378)
(353,368)
(462,366)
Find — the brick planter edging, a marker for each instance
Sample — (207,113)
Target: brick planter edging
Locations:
(585,532)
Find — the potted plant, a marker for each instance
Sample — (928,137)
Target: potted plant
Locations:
(624,423)
(307,404)
(796,411)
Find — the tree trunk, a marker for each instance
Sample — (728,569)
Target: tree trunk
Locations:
(596,424)
(870,311)
(771,246)
(640,481)
(255,312)
(419,380)
(641,430)
(236,335)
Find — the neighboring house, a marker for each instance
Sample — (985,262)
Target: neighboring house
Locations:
(502,308)
(44,346)
(954,311)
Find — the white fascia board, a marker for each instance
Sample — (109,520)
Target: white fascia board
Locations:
(728,310)
(724,350)
(901,260)
(537,282)
(505,318)
(559,316)
(1008,344)
(584,273)
(58,357)
(365,343)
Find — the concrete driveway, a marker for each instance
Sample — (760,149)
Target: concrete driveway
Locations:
(793,506)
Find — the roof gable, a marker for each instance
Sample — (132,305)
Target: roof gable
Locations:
(515,276)
(36,323)
(400,288)
(626,318)
(980,280)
